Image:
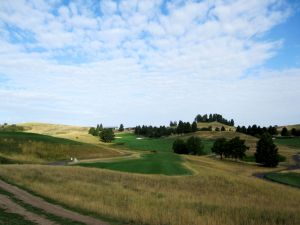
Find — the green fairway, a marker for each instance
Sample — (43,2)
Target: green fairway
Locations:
(153,163)
(289,178)
(131,141)
(293,142)
(159,158)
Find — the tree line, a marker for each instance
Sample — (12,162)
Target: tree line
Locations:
(257,131)
(294,132)
(214,118)
(156,132)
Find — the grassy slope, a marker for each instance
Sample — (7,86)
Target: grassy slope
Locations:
(221,192)
(36,148)
(63,131)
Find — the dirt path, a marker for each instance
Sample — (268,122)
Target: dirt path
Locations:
(42,204)
(12,207)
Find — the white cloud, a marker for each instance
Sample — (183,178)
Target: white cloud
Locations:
(129,61)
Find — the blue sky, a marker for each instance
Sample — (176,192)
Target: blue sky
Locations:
(149,62)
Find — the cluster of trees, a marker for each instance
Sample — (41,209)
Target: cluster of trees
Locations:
(266,151)
(192,145)
(150,131)
(257,131)
(95,131)
(294,132)
(107,135)
(156,132)
(11,128)
(233,148)
(213,118)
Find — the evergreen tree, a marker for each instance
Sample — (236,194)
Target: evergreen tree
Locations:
(266,151)
(121,128)
(194,126)
(284,132)
(223,128)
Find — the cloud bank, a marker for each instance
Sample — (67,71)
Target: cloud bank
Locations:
(147,62)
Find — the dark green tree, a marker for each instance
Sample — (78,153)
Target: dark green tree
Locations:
(194,126)
(220,147)
(179,147)
(237,148)
(223,128)
(195,146)
(284,132)
(266,151)
(107,135)
(121,128)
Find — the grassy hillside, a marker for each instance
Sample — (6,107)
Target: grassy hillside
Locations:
(157,156)
(214,125)
(63,131)
(220,193)
(289,127)
(19,147)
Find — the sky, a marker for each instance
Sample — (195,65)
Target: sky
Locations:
(149,61)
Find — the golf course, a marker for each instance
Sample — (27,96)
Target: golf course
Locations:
(134,179)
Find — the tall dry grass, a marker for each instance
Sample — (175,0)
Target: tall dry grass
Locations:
(221,193)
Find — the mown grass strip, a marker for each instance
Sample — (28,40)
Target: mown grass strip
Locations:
(288,178)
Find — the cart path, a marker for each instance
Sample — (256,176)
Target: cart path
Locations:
(41,204)
(9,206)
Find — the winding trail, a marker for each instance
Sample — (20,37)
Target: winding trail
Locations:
(10,206)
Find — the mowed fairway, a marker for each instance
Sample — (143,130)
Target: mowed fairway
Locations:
(290,142)
(157,156)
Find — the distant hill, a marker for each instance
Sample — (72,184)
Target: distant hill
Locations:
(289,127)
(64,131)
(214,125)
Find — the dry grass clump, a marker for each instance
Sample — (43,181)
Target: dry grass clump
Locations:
(221,193)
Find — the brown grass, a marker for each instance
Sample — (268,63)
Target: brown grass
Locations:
(221,193)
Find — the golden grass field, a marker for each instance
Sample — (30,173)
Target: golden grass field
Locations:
(63,131)
(221,192)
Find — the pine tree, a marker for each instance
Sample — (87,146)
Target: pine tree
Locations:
(266,151)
